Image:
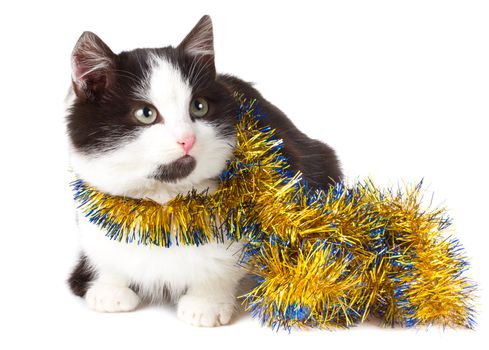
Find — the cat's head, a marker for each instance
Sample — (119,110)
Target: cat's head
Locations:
(149,118)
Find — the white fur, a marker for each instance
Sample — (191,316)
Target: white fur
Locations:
(104,297)
(203,311)
(208,274)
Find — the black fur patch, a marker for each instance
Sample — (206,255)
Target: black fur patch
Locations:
(316,160)
(175,170)
(81,276)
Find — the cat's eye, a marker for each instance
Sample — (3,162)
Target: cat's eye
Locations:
(199,107)
(146,114)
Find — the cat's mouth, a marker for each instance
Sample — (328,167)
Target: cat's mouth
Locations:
(176,170)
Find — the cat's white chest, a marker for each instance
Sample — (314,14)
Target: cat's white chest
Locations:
(152,267)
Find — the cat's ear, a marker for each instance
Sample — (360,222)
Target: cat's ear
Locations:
(200,41)
(92,66)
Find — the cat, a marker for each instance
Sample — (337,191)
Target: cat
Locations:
(154,123)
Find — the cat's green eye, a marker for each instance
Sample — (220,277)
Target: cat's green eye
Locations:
(199,107)
(146,115)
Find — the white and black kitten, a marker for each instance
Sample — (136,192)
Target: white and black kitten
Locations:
(154,123)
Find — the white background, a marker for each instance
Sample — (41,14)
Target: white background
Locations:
(399,89)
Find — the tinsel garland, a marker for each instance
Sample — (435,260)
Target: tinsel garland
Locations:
(322,258)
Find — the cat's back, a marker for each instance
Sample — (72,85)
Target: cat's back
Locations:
(315,159)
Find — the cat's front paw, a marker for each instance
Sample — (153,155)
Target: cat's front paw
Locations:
(204,312)
(108,298)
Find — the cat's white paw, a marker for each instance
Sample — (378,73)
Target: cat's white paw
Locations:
(108,298)
(204,312)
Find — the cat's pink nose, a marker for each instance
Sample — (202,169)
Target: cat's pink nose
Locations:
(187,142)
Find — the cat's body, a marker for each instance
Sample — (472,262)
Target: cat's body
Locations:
(153,123)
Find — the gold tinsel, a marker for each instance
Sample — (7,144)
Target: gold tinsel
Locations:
(321,258)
